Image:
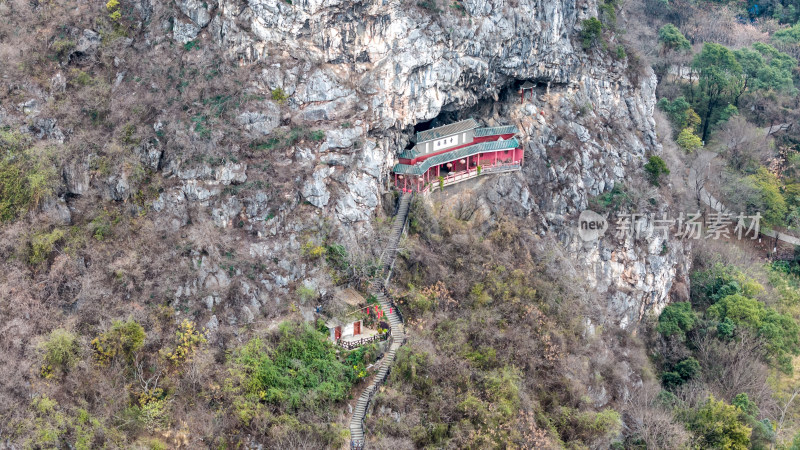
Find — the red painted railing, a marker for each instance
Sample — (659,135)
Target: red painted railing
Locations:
(462,176)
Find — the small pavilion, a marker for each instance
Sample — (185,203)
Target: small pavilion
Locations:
(527,87)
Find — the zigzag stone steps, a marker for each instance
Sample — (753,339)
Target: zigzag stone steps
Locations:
(357,432)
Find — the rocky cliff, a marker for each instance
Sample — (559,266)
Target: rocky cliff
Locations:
(228,163)
(365,74)
(386,66)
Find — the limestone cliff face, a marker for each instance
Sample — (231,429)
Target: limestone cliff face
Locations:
(367,71)
(392,61)
(582,139)
(380,67)
(389,65)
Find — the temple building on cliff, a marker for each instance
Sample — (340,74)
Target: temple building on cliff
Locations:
(456,152)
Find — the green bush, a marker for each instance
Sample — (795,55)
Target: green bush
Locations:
(671,379)
(591,30)
(306,293)
(62,47)
(114,12)
(459,7)
(717,425)
(671,38)
(60,351)
(122,339)
(412,367)
(615,199)
(621,54)
(677,318)
(54,426)
(719,281)
(430,5)
(770,187)
(27,176)
(42,245)
(279,95)
(300,372)
(337,257)
(101,226)
(689,141)
(587,426)
(608,13)
(726,328)
(728,112)
(187,339)
(779,331)
(743,402)
(795,442)
(152,414)
(656,167)
(79,77)
(789,35)
(680,113)
(688,368)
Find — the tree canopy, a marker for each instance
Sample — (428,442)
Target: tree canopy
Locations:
(671,38)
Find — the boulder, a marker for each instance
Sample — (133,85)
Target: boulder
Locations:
(231,173)
(260,122)
(47,129)
(88,43)
(76,177)
(341,137)
(197,11)
(184,32)
(315,191)
(150,154)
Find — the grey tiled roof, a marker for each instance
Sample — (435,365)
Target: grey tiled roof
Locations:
(422,167)
(491,131)
(446,130)
(409,154)
(527,85)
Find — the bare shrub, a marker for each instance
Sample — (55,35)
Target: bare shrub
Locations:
(720,24)
(742,143)
(642,193)
(651,422)
(465,207)
(735,367)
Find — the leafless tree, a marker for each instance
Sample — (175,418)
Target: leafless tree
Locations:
(652,422)
(782,410)
(699,174)
(642,193)
(742,143)
(148,382)
(735,367)
(465,207)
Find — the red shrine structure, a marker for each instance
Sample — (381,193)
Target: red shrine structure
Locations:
(456,152)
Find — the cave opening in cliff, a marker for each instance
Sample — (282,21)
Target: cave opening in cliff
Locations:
(485,108)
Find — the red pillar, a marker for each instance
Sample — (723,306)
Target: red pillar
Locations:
(404,184)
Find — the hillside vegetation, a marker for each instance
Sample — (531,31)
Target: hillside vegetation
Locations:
(167,231)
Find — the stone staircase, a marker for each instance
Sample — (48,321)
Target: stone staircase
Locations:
(398,337)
